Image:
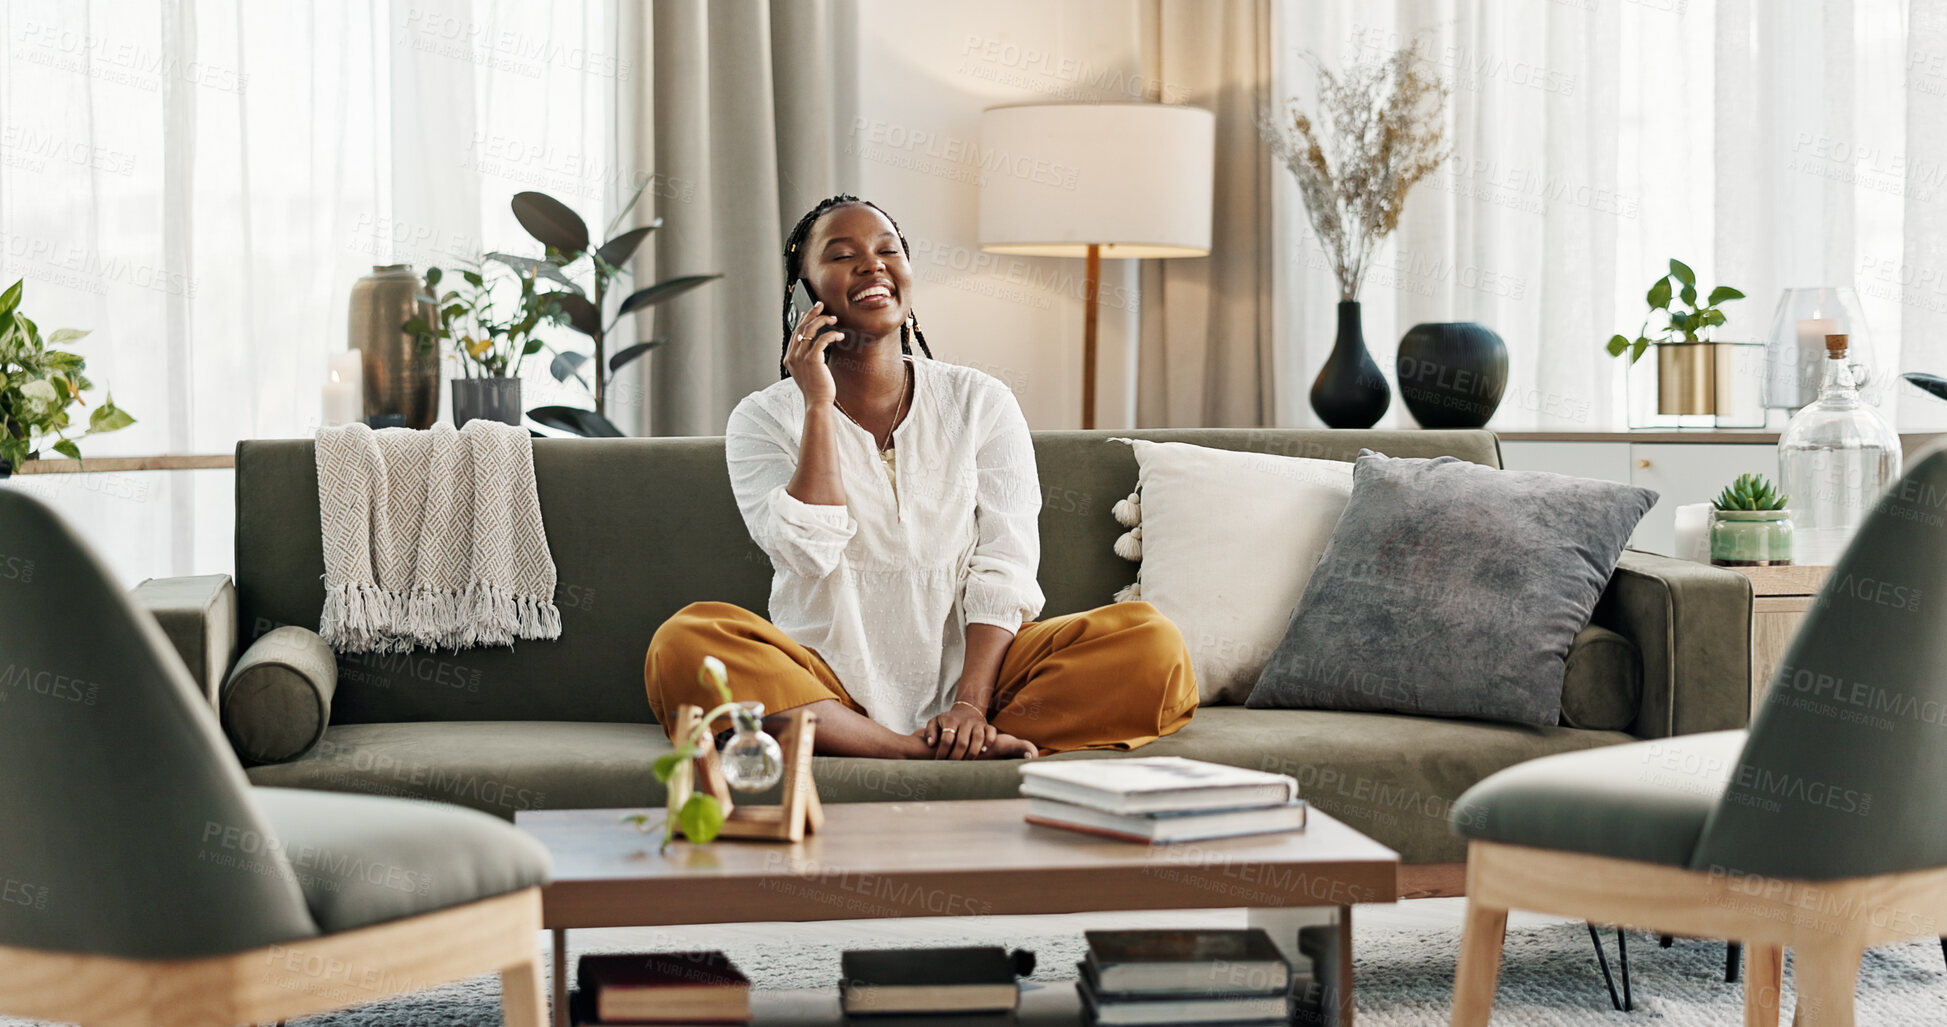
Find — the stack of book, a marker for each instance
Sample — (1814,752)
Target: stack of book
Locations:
(974,986)
(1160,799)
(665,990)
(1237,978)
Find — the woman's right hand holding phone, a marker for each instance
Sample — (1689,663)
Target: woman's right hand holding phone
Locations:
(805,356)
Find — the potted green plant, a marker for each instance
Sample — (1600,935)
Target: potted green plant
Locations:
(751,762)
(1686,359)
(38,385)
(1749,525)
(491,337)
(567,244)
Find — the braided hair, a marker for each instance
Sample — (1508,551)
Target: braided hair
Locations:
(794,270)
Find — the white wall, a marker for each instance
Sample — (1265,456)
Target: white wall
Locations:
(926,71)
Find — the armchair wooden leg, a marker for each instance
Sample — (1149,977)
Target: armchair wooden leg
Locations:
(1764,984)
(1480,964)
(1827,977)
(523,1002)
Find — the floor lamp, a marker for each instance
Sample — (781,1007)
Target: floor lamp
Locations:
(1120,180)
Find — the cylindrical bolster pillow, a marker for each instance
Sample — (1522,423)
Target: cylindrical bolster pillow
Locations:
(277,700)
(1602,687)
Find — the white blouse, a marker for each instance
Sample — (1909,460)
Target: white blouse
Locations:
(883,588)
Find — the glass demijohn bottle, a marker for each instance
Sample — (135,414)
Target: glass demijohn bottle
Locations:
(1835,457)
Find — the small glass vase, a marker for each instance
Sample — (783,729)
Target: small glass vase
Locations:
(752,760)
(1750,538)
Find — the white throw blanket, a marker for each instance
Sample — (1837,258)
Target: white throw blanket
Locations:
(432,538)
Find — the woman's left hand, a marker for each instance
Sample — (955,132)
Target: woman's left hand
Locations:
(959,734)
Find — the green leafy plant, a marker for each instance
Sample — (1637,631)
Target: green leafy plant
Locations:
(699,814)
(39,384)
(1749,492)
(491,344)
(567,244)
(1688,322)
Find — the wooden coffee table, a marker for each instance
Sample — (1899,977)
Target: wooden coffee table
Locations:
(973,858)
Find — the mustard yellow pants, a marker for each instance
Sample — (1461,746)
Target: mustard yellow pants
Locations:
(1115,677)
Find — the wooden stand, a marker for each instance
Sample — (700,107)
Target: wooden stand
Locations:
(789,821)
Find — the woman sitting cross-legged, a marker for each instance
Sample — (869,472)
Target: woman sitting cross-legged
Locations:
(897,499)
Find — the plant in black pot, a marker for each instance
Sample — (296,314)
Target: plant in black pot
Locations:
(1379,129)
(492,335)
(37,386)
(570,252)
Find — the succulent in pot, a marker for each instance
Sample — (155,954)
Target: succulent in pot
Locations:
(1750,525)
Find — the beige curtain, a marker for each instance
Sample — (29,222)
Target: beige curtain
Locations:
(1205,351)
(739,110)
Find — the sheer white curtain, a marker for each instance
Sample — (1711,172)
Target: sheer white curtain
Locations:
(1768,143)
(201,182)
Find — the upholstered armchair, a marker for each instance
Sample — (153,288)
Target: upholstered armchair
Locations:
(1822,829)
(144,881)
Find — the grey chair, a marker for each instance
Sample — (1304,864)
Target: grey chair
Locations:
(1822,829)
(144,881)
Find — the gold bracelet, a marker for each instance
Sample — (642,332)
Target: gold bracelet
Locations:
(971,706)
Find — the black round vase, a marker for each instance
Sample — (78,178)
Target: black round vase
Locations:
(1349,391)
(1452,373)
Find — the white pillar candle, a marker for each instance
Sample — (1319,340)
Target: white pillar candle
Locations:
(1693,532)
(1811,354)
(344,390)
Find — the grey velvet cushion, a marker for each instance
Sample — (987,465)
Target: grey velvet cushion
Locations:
(1452,589)
(1646,801)
(277,702)
(361,860)
(1602,687)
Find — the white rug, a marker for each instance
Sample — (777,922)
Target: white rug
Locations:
(1403,978)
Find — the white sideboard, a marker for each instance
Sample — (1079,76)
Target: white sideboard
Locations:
(1682,466)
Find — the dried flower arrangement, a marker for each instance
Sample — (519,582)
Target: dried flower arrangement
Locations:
(1379,130)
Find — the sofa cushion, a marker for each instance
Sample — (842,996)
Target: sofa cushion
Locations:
(361,860)
(277,702)
(1646,801)
(499,767)
(1393,777)
(1452,590)
(1227,542)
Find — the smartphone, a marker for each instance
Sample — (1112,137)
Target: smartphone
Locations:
(802,301)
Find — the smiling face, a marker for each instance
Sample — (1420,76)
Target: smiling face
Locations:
(854,263)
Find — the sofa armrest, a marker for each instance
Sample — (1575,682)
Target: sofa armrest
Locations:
(199,614)
(1692,623)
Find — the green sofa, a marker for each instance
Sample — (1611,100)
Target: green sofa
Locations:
(641,527)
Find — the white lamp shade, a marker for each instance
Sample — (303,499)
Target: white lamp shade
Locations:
(1132,178)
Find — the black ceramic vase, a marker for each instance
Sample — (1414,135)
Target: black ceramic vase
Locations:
(1350,392)
(1452,373)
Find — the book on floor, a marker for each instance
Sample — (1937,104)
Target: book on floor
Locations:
(665,988)
(1231,961)
(1185,826)
(581,1013)
(1156,1010)
(973,979)
(1153,784)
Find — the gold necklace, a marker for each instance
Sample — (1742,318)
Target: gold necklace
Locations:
(897,412)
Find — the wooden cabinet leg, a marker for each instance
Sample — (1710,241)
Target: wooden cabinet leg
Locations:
(1480,964)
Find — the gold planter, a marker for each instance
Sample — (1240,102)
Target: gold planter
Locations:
(1686,377)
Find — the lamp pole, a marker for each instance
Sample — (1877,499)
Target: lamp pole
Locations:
(1091,289)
